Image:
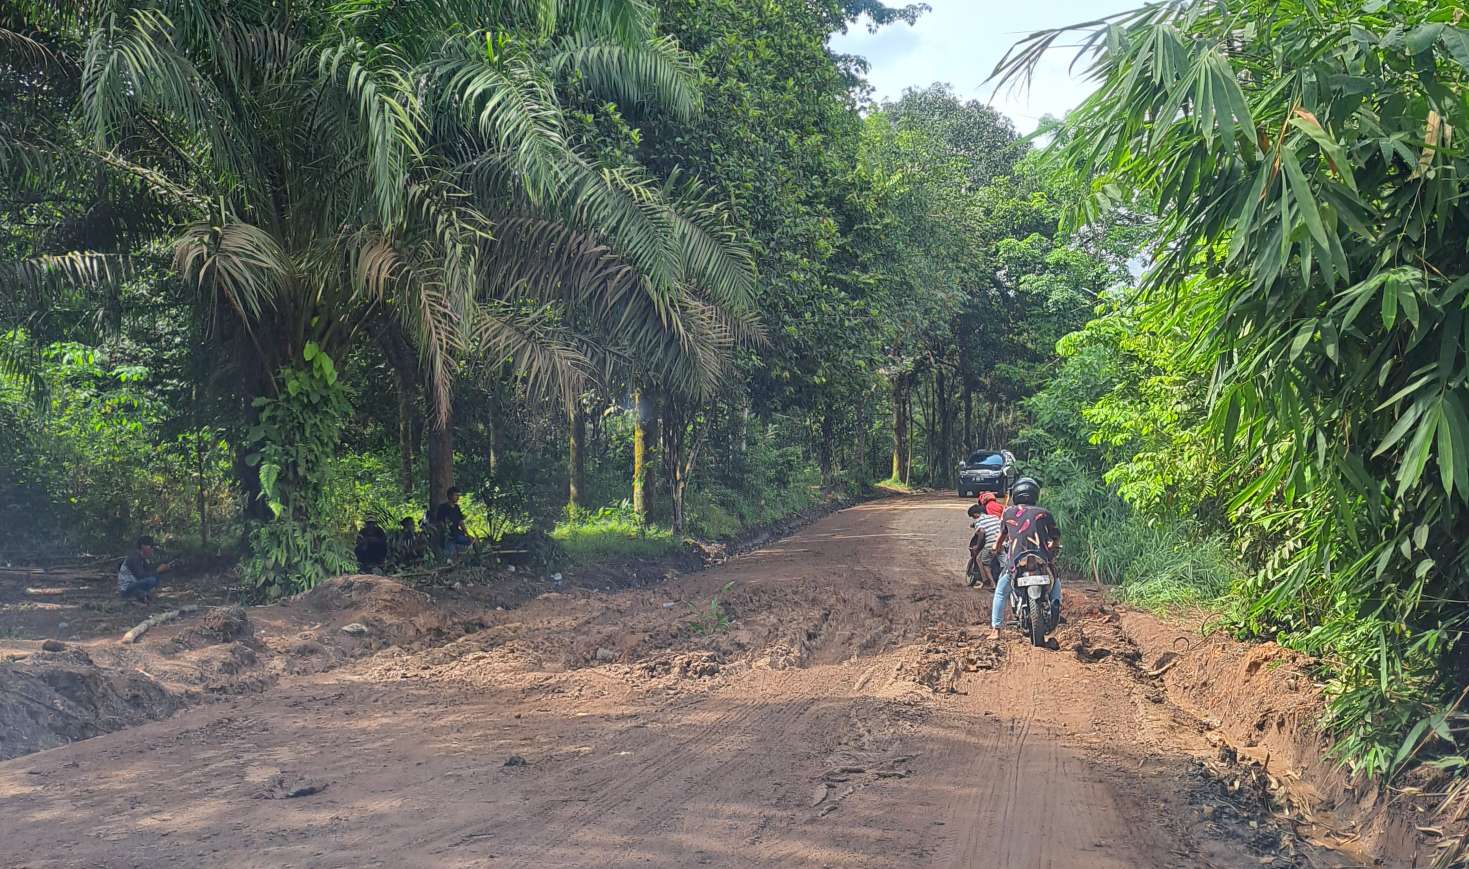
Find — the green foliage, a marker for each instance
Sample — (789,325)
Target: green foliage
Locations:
(294,443)
(713,619)
(1300,161)
(769,479)
(98,462)
(1126,469)
(611,532)
(289,556)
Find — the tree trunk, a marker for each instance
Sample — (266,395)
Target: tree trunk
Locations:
(406,441)
(908,447)
(576,466)
(199,499)
(255,384)
(824,447)
(679,458)
(407,378)
(496,413)
(644,435)
(969,443)
(944,408)
(901,427)
(440,459)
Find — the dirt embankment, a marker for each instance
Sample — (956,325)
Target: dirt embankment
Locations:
(54,692)
(831,699)
(1264,707)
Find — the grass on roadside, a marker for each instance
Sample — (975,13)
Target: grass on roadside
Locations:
(1161,568)
(894,485)
(612,532)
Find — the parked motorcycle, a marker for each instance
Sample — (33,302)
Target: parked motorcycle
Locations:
(1030,596)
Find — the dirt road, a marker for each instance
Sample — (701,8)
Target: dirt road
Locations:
(838,707)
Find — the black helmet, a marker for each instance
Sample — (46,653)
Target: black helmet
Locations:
(1025,491)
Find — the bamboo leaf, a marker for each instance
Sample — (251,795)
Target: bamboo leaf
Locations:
(1305,198)
(1415,458)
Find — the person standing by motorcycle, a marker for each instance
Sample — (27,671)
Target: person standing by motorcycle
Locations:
(1025,528)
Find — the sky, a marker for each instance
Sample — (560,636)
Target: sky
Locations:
(960,42)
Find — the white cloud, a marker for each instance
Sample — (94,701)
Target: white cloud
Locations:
(960,42)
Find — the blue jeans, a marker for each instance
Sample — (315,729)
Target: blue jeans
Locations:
(455,544)
(141,588)
(1002,598)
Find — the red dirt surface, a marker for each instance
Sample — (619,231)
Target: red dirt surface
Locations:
(838,707)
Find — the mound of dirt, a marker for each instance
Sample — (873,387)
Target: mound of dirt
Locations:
(945,654)
(53,698)
(370,612)
(216,626)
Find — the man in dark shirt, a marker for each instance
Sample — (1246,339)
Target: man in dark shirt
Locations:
(372,547)
(450,520)
(137,577)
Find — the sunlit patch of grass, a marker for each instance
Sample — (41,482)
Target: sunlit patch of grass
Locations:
(611,533)
(894,485)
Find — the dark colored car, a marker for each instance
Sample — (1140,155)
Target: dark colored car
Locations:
(986,471)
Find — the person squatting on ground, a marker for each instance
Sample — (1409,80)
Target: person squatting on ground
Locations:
(372,547)
(136,576)
(983,554)
(405,546)
(1025,528)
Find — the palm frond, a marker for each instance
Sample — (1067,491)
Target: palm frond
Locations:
(536,346)
(134,59)
(513,108)
(378,88)
(238,262)
(656,71)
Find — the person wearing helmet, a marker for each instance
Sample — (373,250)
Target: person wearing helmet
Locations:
(1025,527)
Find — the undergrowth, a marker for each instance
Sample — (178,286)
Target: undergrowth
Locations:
(609,533)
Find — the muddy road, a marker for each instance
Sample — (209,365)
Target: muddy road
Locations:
(839,706)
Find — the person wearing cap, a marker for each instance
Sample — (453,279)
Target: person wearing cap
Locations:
(137,577)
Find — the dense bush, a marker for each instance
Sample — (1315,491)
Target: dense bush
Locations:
(88,461)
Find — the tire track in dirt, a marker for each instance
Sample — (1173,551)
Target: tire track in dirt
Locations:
(813,740)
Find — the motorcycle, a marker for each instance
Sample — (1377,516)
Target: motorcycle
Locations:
(1030,596)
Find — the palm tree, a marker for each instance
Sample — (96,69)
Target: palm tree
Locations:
(336,164)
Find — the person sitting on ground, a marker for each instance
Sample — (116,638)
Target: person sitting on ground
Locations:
(405,546)
(450,520)
(372,547)
(137,577)
(1025,529)
(982,551)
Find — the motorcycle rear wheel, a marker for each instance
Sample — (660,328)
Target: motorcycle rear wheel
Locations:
(1037,626)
